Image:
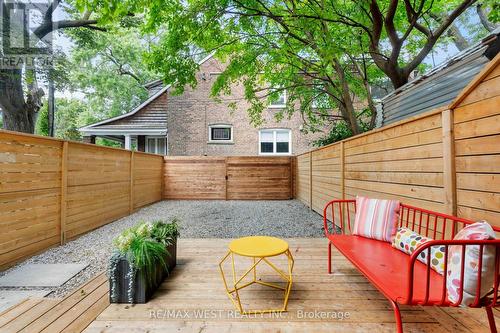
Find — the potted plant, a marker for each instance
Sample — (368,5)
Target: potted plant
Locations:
(143,256)
(167,234)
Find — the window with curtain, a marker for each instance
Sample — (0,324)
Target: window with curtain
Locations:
(275,142)
(220,133)
(156,145)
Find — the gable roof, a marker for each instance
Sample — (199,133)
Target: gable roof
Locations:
(153,96)
(437,87)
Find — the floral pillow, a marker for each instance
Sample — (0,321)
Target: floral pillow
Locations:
(376,218)
(477,231)
(408,241)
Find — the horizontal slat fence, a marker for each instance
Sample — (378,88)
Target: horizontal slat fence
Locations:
(52,190)
(228,178)
(447,160)
(259,178)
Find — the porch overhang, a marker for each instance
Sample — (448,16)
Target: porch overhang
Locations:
(122,132)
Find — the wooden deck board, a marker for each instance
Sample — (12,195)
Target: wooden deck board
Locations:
(195,285)
(70,314)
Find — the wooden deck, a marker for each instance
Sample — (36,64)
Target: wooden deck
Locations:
(70,314)
(193,299)
(195,285)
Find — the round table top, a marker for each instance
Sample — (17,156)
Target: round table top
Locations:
(258,246)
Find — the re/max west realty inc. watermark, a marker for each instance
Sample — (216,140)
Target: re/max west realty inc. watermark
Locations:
(25,31)
(215,314)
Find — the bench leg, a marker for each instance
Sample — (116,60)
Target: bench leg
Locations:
(397,315)
(491,319)
(329,257)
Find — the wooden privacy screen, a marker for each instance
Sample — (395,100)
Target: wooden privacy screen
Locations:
(447,160)
(231,178)
(51,190)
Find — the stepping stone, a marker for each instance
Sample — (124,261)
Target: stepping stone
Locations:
(41,275)
(10,298)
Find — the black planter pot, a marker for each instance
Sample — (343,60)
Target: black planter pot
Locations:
(143,291)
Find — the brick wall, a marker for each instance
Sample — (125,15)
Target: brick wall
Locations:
(190,114)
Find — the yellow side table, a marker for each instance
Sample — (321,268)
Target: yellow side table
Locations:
(259,248)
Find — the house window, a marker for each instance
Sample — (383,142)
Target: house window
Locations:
(156,145)
(220,133)
(279,101)
(275,142)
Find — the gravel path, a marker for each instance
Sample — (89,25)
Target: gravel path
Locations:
(198,219)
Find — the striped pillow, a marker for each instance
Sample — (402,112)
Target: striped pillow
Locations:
(376,218)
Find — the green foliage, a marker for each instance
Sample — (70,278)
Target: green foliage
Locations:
(315,50)
(144,245)
(158,231)
(165,232)
(107,143)
(263,53)
(146,254)
(42,122)
(338,132)
(109,68)
(68,118)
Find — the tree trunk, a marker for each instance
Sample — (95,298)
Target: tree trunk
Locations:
(20,120)
(348,107)
(457,37)
(483,17)
(18,114)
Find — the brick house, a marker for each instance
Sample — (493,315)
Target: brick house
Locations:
(193,124)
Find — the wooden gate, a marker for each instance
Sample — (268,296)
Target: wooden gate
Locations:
(228,178)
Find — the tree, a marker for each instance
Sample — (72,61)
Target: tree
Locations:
(106,70)
(109,70)
(265,52)
(402,33)
(309,48)
(466,30)
(21,96)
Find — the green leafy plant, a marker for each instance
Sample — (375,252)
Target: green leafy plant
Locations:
(146,253)
(165,232)
(144,246)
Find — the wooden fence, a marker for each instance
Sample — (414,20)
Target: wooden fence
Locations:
(228,178)
(52,190)
(447,160)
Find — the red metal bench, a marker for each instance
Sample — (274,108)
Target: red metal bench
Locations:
(401,278)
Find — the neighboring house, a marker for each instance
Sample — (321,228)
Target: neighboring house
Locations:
(440,86)
(194,124)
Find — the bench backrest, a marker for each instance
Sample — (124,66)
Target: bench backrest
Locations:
(439,226)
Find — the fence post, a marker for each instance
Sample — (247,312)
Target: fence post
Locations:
(225,177)
(342,170)
(131,197)
(310,180)
(292,177)
(64,190)
(449,175)
(162,177)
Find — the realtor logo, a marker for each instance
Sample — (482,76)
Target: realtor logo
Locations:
(24,37)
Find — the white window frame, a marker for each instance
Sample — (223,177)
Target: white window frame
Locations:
(155,138)
(210,140)
(279,106)
(275,130)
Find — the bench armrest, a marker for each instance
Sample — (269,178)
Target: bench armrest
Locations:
(464,244)
(338,213)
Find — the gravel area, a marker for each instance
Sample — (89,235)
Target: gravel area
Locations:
(198,219)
